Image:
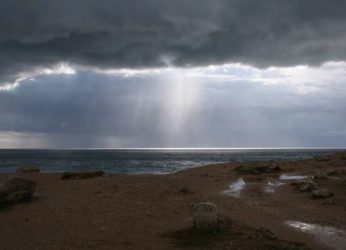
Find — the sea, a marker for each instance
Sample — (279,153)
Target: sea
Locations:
(141,161)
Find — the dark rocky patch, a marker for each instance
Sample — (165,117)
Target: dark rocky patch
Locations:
(256,168)
(81,175)
(28,169)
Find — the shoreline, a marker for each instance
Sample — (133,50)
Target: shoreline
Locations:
(134,211)
(143,161)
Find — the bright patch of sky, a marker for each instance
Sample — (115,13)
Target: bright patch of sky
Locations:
(231,105)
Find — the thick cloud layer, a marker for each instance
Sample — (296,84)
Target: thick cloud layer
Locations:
(224,106)
(156,33)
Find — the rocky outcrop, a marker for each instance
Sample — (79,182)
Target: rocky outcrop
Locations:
(257,168)
(310,186)
(28,169)
(16,190)
(81,175)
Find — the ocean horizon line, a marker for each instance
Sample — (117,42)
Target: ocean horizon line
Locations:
(187,148)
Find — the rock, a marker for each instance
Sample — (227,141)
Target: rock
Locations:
(81,175)
(274,167)
(224,223)
(305,185)
(17,197)
(332,173)
(28,169)
(320,175)
(342,156)
(331,201)
(263,233)
(323,158)
(17,184)
(256,168)
(205,216)
(248,169)
(321,193)
(325,174)
(184,190)
(16,190)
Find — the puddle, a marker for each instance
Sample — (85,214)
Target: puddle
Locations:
(292,177)
(235,188)
(271,186)
(328,236)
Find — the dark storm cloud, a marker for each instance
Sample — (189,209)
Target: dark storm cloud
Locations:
(151,33)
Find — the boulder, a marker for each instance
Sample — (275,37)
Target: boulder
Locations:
(16,190)
(28,169)
(81,175)
(205,216)
(321,193)
(17,184)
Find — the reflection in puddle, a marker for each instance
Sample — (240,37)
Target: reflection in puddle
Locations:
(292,177)
(329,236)
(270,187)
(235,188)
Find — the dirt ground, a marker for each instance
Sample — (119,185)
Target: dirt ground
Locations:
(155,211)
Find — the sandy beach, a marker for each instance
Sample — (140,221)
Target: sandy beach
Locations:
(258,209)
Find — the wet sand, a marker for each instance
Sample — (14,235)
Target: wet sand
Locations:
(155,211)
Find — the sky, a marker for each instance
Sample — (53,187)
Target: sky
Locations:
(163,73)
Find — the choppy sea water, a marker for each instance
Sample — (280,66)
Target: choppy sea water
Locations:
(139,161)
